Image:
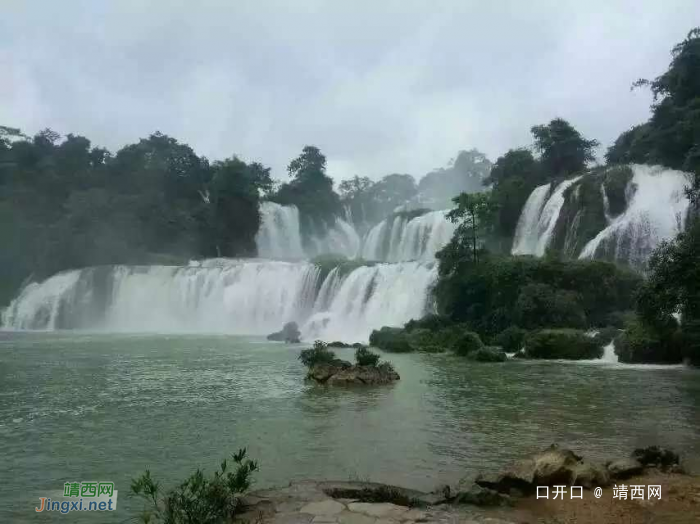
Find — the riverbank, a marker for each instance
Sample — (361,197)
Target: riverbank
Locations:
(308,502)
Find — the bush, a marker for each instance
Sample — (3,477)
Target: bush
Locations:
(570,344)
(467,342)
(431,322)
(488,354)
(642,344)
(364,357)
(618,319)
(390,339)
(541,305)
(319,354)
(198,500)
(511,339)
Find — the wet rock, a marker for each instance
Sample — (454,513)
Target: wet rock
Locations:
(324,507)
(289,333)
(624,468)
(555,465)
(344,374)
(590,475)
(519,475)
(655,456)
(480,496)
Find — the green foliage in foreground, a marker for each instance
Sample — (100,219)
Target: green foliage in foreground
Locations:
(318,354)
(468,342)
(569,344)
(199,499)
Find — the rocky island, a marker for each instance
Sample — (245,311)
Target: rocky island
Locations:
(325,368)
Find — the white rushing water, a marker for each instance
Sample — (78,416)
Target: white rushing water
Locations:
(279,236)
(228,296)
(535,227)
(657,208)
(398,239)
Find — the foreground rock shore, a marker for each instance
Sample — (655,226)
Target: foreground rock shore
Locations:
(505,497)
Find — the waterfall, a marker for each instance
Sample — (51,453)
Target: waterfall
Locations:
(539,216)
(657,209)
(609,354)
(279,235)
(405,239)
(252,297)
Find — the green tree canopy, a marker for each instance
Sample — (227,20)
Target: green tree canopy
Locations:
(563,149)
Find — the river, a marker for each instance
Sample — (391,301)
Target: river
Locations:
(105,407)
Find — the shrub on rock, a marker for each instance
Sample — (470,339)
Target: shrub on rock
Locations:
(488,354)
(511,339)
(364,357)
(318,354)
(570,344)
(640,344)
(467,342)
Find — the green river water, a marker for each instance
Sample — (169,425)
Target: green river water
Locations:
(105,407)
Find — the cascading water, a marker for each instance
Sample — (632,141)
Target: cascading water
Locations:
(533,233)
(657,209)
(227,296)
(416,239)
(279,235)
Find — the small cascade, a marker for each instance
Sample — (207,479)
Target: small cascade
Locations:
(535,234)
(609,354)
(341,239)
(251,297)
(399,239)
(279,236)
(526,237)
(656,210)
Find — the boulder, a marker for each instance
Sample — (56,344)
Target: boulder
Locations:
(340,372)
(480,496)
(519,475)
(624,468)
(590,475)
(555,466)
(324,371)
(657,457)
(289,333)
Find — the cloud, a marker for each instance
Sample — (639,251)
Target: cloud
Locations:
(380,87)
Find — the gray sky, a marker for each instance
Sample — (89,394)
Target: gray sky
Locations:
(380,86)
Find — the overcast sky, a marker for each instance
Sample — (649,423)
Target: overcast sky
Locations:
(380,86)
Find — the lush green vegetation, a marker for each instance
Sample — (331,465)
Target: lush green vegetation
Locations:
(65,203)
(318,354)
(198,499)
(570,344)
(364,357)
(671,137)
(500,292)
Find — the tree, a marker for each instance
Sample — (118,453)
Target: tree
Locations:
(470,213)
(311,190)
(465,174)
(671,137)
(562,148)
(512,179)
